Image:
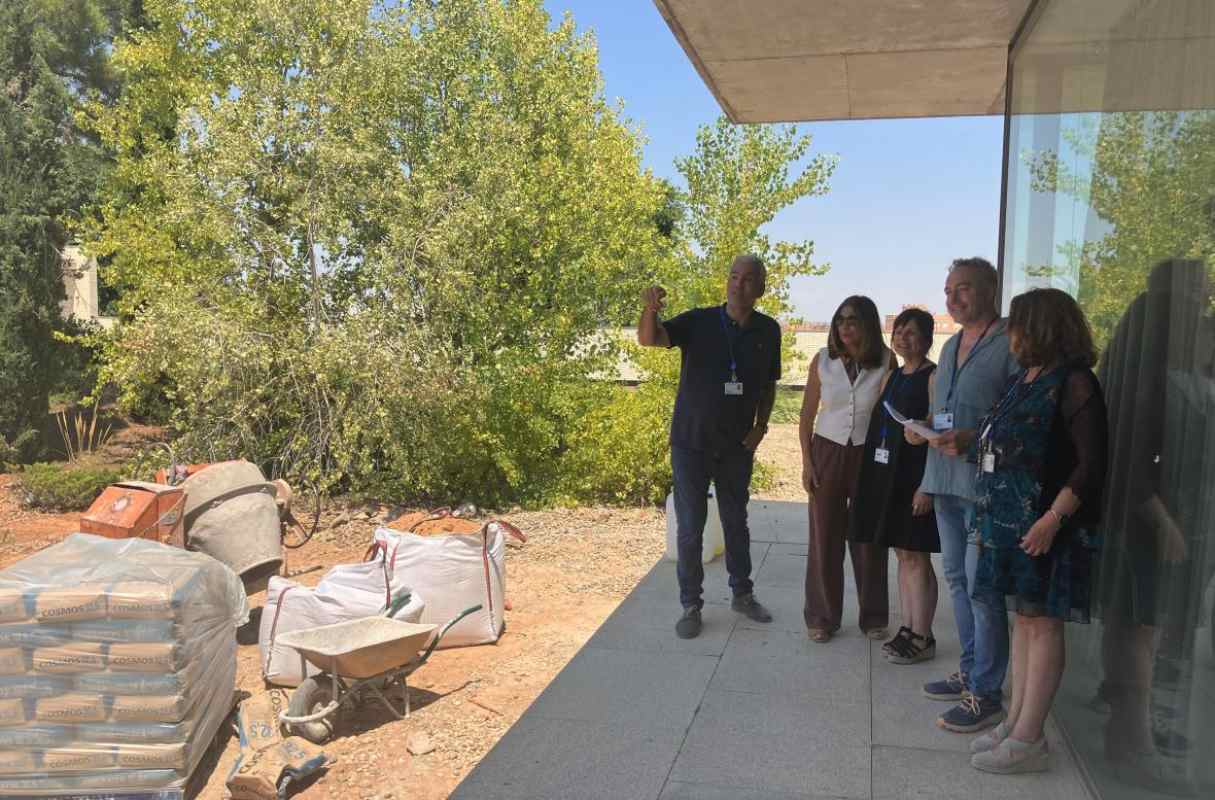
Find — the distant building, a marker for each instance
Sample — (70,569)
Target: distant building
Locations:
(942,323)
(81,300)
(810,337)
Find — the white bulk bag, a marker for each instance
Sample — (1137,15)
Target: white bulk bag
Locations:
(453,572)
(289,607)
(360,590)
(365,589)
(348,591)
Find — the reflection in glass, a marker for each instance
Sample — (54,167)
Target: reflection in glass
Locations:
(1152,370)
(1111,197)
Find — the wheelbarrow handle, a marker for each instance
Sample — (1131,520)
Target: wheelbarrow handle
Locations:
(398,602)
(435,642)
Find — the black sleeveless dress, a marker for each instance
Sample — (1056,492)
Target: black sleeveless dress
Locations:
(881,513)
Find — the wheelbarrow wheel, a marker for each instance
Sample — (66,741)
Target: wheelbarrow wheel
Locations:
(308,698)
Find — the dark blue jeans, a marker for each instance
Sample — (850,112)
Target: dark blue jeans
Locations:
(730,471)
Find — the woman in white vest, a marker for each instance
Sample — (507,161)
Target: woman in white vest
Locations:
(842,388)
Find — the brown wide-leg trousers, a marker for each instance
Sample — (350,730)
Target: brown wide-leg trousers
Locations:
(839,468)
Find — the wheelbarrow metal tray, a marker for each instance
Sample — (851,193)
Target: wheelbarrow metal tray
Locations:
(360,648)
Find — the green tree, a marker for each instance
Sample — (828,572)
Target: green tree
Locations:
(53,54)
(379,241)
(738,179)
(1152,184)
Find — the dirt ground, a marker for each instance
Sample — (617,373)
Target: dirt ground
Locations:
(576,567)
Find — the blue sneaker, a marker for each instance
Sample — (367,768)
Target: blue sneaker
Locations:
(951,689)
(972,715)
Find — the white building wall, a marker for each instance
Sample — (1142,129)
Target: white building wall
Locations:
(80,287)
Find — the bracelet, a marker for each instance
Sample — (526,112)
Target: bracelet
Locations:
(1060,518)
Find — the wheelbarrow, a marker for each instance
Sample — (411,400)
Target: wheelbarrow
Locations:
(360,658)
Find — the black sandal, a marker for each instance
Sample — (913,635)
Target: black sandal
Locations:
(913,650)
(891,645)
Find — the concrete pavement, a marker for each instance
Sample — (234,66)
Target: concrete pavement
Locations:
(746,711)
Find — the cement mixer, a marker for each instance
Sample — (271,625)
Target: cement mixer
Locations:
(233,514)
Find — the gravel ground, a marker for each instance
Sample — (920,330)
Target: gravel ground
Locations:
(781,453)
(576,567)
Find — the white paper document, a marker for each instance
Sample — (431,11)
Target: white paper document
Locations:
(917,428)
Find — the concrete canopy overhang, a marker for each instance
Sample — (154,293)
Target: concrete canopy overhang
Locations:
(794,60)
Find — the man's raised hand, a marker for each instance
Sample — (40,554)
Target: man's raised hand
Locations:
(650,330)
(654,298)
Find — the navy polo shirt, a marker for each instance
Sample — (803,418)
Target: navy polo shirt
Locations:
(706,418)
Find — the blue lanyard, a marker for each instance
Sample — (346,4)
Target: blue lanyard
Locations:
(1011,399)
(957,371)
(729,344)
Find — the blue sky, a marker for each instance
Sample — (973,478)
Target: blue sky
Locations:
(907,197)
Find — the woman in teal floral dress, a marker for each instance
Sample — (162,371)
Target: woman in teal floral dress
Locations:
(1040,456)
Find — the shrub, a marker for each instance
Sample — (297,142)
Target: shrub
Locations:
(370,407)
(788,408)
(80,432)
(146,462)
(55,487)
(619,453)
(10,452)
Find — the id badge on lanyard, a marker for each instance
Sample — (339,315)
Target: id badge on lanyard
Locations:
(987,451)
(942,421)
(733,387)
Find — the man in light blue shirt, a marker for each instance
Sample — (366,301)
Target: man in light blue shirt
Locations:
(973,372)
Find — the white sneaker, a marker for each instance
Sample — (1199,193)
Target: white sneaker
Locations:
(1012,756)
(991,739)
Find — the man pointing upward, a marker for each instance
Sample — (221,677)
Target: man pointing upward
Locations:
(730,362)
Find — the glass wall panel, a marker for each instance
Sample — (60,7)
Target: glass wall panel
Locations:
(1111,197)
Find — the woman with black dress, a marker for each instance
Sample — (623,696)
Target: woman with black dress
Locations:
(890,510)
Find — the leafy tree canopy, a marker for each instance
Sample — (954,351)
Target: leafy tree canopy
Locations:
(378,243)
(1152,183)
(53,55)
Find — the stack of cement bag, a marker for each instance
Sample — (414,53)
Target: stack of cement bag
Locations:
(117,665)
